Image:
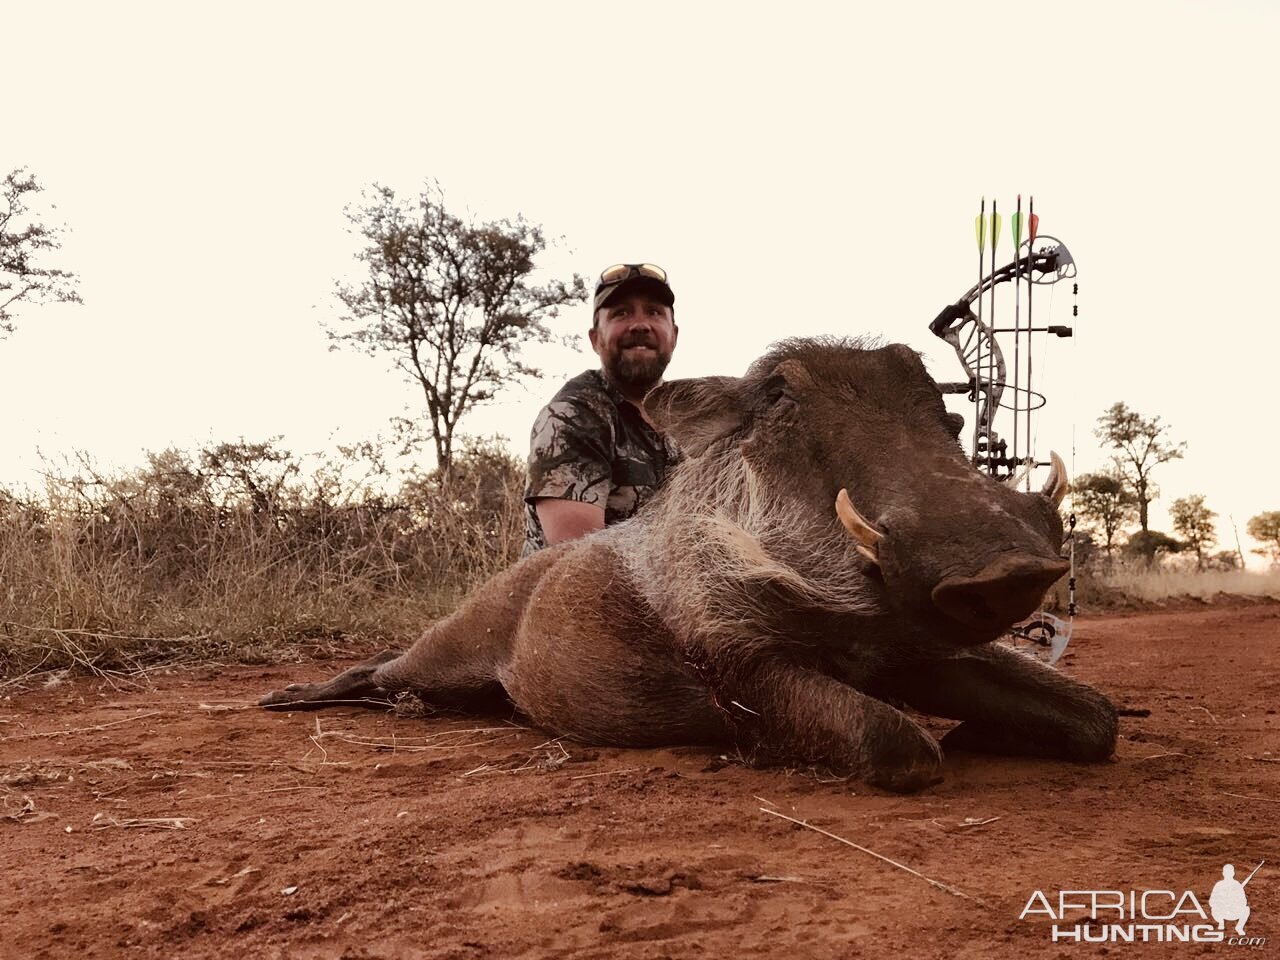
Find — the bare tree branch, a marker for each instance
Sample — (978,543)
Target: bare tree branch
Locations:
(22,240)
(450,300)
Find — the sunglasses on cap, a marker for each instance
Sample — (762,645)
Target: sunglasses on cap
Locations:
(625,271)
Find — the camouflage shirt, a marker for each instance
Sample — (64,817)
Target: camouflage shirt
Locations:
(590,444)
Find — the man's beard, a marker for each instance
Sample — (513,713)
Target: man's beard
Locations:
(640,371)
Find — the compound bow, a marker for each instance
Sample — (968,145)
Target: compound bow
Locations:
(1040,261)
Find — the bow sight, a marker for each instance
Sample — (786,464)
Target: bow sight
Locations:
(1039,261)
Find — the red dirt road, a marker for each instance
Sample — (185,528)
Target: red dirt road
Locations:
(168,820)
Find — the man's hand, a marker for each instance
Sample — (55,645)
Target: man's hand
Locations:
(567,519)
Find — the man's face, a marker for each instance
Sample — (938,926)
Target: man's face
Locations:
(634,337)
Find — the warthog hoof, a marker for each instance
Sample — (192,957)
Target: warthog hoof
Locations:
(292,694)
(909,764)
(1089,738)
(356,683)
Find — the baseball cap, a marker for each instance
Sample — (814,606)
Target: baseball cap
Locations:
(632,277)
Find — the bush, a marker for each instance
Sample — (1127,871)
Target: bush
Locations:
(239,551)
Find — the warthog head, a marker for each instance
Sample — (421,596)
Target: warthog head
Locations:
(840,468)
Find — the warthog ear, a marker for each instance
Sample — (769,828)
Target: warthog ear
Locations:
(696,412)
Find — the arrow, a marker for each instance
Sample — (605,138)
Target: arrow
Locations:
(1016,226)
(991,359)
(981,226)
(1033,226)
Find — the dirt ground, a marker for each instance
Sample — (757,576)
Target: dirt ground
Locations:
(167,818)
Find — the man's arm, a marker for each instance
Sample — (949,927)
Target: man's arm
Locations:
(570,469)
(567,519)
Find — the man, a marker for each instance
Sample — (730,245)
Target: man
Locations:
(594,458)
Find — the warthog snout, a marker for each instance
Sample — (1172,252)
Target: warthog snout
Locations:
(1004,592)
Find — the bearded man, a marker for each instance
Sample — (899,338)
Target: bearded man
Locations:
(594,457)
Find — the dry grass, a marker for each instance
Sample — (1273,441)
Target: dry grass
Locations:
(233,553)
(238,553)
(1162,584)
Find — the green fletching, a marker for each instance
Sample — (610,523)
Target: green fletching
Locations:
(995,231)
(979,229)
(1015,224)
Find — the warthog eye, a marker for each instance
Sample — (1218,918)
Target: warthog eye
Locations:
(776,394)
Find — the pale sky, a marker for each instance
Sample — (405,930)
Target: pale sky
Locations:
(798,168)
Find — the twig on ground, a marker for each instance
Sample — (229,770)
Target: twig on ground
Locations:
(14,681)
(80,631)
(265,764)
(1241,796)
(550,761)
(93,729)
(65,645)
(398,745)
(252,793)
(955,892)
(162,823)
(243,872)
(607,773)
(968,822)
(1157,756)
(315,738)
(1263,759)
(1206,710)
(226,707)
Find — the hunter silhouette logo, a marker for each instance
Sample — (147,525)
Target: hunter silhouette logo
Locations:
(1228,900)
(1149,916)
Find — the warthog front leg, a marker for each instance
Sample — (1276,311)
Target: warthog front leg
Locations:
(354,684)
(1010,704)
(795,713)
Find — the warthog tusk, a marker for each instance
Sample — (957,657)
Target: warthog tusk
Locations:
(868,537)
(1056,487)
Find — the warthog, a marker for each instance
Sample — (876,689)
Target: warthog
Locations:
(824,554)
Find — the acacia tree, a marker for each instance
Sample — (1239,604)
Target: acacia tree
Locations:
(22,240)
(1143,444)
(1148,544)
(1194,520)
(449,299)
(1105,501)
(1265,527)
